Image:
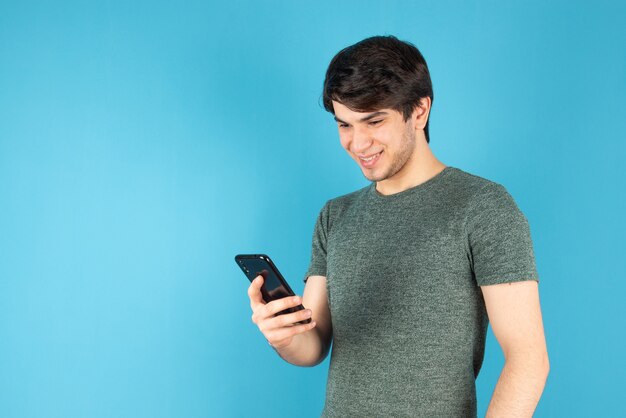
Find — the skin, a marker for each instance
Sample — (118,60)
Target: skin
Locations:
(515,316)
(407,161)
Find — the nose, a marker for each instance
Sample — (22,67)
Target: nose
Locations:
(361,140)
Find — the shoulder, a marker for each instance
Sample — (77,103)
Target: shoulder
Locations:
(348,199)
(464,190)
(336,207)
(480,197)
(486,201)
(463,182)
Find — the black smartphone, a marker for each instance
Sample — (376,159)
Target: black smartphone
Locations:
(274,284)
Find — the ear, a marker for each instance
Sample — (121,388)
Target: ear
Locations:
(421,113)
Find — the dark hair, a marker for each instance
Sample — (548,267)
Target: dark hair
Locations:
(377,73)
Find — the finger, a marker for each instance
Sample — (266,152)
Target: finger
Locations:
(289,319)
(271,323)
(281,304)
(280,334)
(254,292)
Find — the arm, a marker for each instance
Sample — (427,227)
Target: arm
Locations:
(301,345)
(311,348)
(515,317)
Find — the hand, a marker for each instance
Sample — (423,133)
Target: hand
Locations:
(278,330)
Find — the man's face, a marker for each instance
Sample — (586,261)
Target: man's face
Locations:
(381,142)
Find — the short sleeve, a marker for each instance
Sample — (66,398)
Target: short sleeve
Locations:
(317,265)
(500,245)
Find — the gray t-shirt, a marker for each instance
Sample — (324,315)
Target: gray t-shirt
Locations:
(403,275)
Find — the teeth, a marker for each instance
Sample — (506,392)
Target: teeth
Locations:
(370,158)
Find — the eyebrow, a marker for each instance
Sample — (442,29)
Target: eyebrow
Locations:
(364,118)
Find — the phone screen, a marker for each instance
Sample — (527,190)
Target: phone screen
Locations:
(274,285)
(272,288)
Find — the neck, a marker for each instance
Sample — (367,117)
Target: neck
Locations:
(421,167)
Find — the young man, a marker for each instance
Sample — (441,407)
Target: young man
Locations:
(406,273)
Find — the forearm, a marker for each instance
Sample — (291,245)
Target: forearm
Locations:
(306,349)
(518,389)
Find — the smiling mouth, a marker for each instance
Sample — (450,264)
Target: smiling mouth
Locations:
(371,160)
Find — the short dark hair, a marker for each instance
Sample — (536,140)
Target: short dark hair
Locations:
(378,73)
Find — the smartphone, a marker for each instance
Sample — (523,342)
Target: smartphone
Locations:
(274,284)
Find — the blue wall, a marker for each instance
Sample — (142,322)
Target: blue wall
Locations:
(143,145)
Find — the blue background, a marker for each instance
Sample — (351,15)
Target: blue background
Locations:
(144,144)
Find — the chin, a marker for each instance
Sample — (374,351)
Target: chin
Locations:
(373,176)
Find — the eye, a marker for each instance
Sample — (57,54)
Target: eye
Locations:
(375,122)
(343,125)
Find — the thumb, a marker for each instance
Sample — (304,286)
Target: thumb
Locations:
(254,291)
(258,281)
